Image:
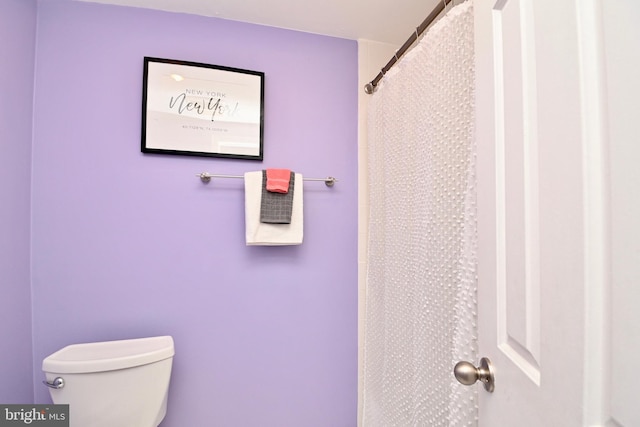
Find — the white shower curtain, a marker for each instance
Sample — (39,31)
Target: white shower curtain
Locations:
(420,302)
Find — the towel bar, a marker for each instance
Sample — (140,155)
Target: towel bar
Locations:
(205,177)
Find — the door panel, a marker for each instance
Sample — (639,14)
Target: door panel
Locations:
(558,207)
(530,182)
(518,286)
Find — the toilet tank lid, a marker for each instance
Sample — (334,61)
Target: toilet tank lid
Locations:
(108,355)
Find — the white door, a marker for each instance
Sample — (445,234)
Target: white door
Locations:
(548,318)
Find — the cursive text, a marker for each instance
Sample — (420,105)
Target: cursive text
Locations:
(212,105)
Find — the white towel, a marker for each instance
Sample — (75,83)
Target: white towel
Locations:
(258,233)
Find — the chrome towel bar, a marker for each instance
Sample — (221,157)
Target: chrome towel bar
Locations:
(205,177)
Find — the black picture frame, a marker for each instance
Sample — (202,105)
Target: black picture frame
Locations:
(195,109)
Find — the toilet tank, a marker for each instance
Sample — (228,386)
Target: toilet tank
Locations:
(112,383)
(109,355)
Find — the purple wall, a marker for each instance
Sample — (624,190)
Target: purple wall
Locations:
(17,40)
(130,245)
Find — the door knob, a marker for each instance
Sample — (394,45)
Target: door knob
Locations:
(468,374)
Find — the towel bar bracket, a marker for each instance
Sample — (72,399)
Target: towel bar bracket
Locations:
(329,181)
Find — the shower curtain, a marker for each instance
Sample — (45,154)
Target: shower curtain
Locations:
(420,287)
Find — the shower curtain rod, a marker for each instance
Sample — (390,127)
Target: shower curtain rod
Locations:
(370,87)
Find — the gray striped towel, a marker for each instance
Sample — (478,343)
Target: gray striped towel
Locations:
(275,208)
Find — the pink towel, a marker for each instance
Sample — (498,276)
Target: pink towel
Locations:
(278,180)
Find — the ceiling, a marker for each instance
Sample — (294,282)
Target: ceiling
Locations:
(378,20)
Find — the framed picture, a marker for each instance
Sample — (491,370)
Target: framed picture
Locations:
(197,109)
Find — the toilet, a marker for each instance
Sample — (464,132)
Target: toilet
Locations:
(121,383)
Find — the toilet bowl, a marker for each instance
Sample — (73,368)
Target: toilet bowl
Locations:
(113,383)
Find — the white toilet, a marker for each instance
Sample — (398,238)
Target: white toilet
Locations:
(114,383)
